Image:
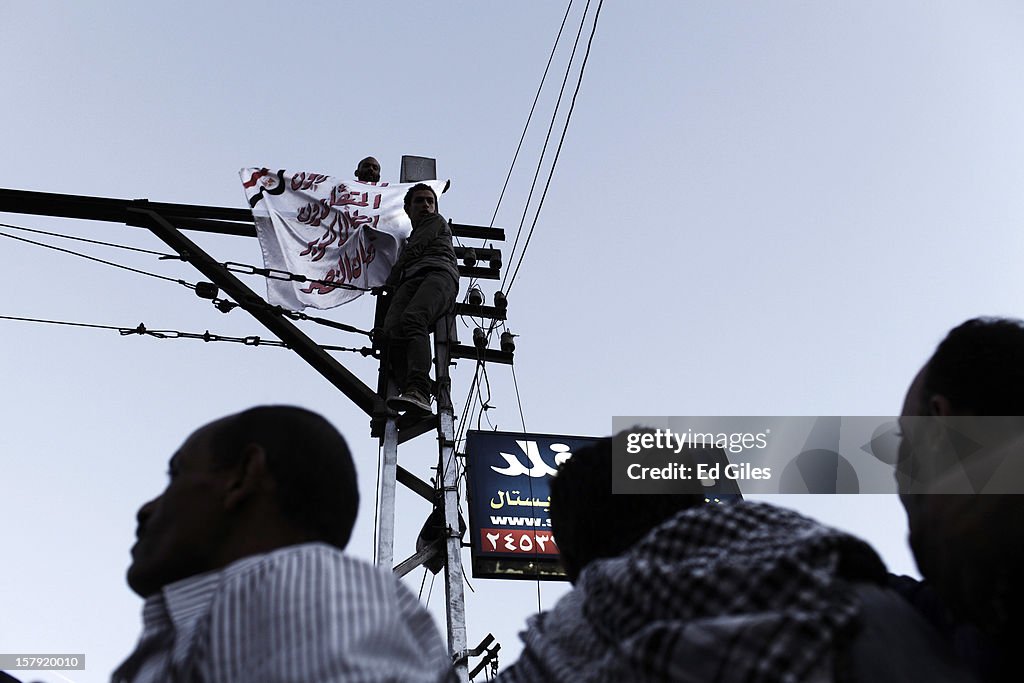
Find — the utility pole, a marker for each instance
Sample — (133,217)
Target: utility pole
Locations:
(445,494)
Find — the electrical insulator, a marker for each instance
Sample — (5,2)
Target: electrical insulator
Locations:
(507,345)
(500,301)
(479,338)
(496,262)
(206,290)
(469,257)
(476,296)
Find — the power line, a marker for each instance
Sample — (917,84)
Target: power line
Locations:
(466,409)
(241,268)
(61,322)
(529,118)
(511,280)
(299,315)
(141,329)
(474,390)
(561,141)
(547,137)
(526,128)
(515,383)
(99,260)
(224,306)
(275,274)
(82,239)
(207,336)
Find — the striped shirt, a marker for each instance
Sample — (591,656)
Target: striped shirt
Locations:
(301,613)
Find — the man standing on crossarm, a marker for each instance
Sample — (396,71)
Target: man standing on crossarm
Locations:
(426,281)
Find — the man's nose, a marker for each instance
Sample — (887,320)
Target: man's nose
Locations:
(146,511)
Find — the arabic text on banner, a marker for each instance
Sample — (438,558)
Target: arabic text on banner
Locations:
(342,233)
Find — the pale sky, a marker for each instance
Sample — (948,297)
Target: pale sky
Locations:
(760,209)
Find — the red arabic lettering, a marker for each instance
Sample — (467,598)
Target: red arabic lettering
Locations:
(350,267)
(341,226)
(354,221)
(342,196)
(304,181)
(318,247)
(313,213)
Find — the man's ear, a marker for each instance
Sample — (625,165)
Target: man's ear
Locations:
(250,478)
(940,405)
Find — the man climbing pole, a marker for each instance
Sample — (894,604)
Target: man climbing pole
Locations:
(426,281)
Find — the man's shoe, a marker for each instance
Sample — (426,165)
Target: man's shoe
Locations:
(410,401)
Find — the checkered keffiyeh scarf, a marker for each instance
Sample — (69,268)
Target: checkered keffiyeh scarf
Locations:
(730,593)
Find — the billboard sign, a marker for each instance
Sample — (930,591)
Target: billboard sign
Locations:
(509,487)
(509,475)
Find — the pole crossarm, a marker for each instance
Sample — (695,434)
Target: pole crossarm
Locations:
(477,232)
(186,216)
(480,272)
(492,312)
(219,219)
(419,558)
(416,485)
(319,360)
(487,355)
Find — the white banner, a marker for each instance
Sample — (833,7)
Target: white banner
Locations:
(344,233)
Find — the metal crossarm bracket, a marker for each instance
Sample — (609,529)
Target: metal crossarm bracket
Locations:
(416,485)
(186,216)
(473,353)
(420,558)
(477,232)
(482,253)
(480,272)
(472,311)
(410,428)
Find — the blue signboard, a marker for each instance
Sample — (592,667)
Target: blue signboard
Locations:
(509,484)
(509,477)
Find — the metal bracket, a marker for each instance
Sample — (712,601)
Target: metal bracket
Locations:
(418,559)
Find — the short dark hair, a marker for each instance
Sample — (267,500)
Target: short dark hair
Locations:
(309,461)
(979,367)
(589,522)
(417,188)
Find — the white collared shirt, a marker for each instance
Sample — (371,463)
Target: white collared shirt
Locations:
(302,613)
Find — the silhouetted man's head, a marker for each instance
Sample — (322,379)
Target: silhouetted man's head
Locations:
(589,522)
(967,545)
(368,170)
(248,483)
(977,370)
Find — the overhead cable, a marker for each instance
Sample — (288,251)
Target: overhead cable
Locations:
(99,260)
(558,152)
(529,118)
(206,336)
(83,239)
(547,137)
